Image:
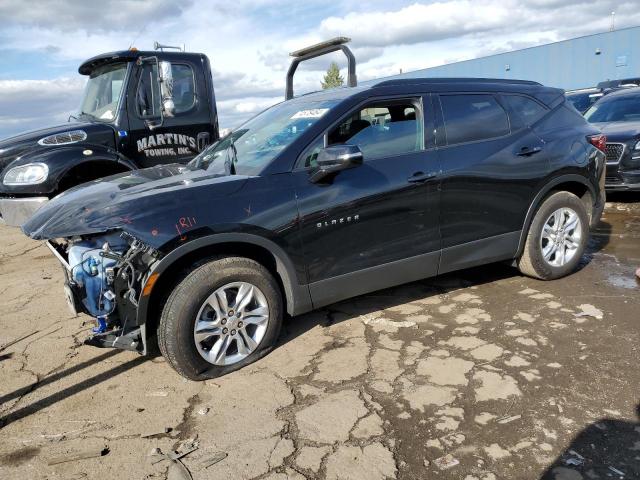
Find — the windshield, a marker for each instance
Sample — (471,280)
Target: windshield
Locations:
(616,109)
(103,90)
(255,144)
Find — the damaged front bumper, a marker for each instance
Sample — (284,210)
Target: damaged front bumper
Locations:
(106,284)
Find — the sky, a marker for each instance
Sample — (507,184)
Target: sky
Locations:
(42,42)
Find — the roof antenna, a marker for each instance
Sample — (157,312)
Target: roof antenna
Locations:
(144,27)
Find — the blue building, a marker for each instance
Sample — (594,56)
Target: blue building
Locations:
(569,64)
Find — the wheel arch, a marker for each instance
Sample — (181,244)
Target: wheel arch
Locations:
(82,163)
(576,184)
(170,268)
(87,171)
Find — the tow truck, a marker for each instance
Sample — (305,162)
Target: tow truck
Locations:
(140,109)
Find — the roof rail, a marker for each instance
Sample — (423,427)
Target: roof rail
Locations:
(430,80)
(313,51)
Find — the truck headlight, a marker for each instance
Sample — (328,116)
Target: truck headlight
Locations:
(29,174)
(637,147)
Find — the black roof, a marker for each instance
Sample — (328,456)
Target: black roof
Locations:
(550,96)
(129,56)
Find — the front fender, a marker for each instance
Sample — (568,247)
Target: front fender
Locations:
(297,296)
(60,161)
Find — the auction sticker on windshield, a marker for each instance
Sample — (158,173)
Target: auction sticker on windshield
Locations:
(312,113)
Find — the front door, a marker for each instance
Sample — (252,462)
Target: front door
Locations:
(375,225)
(176,139)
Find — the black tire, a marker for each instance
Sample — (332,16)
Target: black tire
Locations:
(532,262)
(177,322)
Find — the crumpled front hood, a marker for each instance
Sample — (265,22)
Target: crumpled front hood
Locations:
(128,201)
(620,131)
(25,143)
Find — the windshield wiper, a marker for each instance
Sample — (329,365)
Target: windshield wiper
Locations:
(86,114)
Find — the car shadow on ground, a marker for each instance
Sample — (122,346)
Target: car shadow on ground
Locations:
(392,297)
(407,293)
(59,395)
(607,448)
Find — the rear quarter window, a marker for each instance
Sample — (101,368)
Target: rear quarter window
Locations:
(523,111)
(473,117)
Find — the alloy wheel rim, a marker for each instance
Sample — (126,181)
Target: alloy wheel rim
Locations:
(231,323)
(561,237)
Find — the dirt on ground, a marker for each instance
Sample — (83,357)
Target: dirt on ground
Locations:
(479,375)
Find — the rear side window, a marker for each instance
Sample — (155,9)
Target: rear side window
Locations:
(523,111)
(472,117)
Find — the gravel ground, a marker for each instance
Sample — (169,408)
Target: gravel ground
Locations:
(478,375)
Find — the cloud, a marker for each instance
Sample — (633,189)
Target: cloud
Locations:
(107,16)
(422,22)
(31,104)
(248,42)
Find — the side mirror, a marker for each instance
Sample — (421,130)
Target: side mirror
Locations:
(334,159)
(166,88)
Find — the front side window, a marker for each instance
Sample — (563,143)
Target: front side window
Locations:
(148,95)
(102,92)
(252,146)
(615,109)
(472,117)
(380,130)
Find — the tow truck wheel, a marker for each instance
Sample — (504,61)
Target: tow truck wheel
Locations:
(556,239)
(224,315)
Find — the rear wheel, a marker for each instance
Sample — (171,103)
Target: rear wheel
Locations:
(556,239)
(224,315)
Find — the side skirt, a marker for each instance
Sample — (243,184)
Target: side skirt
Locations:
(331,290)
(479,252)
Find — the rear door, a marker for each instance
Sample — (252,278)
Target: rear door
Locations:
(177,139)
(491,163)
(375,225)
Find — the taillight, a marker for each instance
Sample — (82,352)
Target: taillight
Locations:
(598,141)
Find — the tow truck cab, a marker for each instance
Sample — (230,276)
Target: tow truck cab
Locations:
(139,109)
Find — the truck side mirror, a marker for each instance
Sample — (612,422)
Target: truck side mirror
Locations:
(165,77)
(334,159)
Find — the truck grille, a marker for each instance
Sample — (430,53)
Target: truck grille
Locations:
(614,152)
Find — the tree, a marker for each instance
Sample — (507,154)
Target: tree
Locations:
(332,78)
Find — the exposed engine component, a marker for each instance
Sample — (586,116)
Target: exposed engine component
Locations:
(104,278)
(92,264)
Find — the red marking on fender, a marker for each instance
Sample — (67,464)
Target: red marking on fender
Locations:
(184,224)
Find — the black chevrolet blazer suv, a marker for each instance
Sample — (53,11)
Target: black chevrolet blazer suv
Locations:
(324,197)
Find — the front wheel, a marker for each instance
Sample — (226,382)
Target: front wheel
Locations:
(224,315)
(556,239)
